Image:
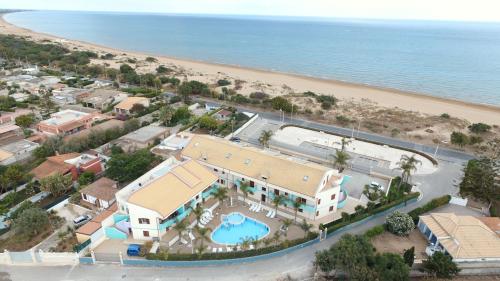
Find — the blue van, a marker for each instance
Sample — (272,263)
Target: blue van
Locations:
(134,250)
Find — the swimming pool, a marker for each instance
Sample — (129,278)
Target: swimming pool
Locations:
(236,227)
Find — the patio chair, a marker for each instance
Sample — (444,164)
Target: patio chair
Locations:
(183,241)
(253,207)
(269,213)
(258,208)
(201,225)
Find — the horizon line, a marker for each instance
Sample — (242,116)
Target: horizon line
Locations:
(268,16)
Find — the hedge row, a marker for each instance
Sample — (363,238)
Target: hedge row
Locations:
(231,255)
(431,205)
(375,231)
(335,225)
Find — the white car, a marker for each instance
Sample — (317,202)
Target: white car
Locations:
(81,220)
(376,185)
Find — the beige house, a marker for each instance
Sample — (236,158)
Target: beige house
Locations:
(125,107)
(464,238)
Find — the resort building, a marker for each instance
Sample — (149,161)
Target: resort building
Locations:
(464,238)
(164,196)
(269,174)
(125,107)
(68,122)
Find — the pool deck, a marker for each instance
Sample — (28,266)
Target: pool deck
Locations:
(293,232)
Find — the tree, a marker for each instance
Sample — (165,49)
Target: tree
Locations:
(24,206)
(180,114)
(202,236)
(400,224)
(286,225)
(221,195)
(166,114)
(265,137)
(306,227)
(31,222)
(208,122)
(345,216)
(391,267)
(359,209)
(280,103)
(407,165)
(459,139)
(440,265)
(296,206)
(479,128)
(86,178)
(185,90)
(245,189)
(180,227)
(481,180)
(126,167)
(197,212)
(278,200)
(352,253)
(25,121)
(138,108)
(56,184)
(345,142)
(13,176)
(324,261)
(340,159)
(409,256)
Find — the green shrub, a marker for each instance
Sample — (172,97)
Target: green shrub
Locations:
(431,205)
(223,82)
(375,231)
(400,224)
(479,128)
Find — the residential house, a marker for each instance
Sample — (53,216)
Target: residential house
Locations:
(464,238)
(157,200)
(70,164)
(20,97)
(125,107)
(10,117)
(69,95)
(142,137)
(269,174)
(102,98)
(17,151)
(10,133)
(68,122)
(223,115)
(95,230)
(100,193)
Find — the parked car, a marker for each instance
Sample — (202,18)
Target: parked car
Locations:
(134,250)
(376,185)
(81,220)
(235,139)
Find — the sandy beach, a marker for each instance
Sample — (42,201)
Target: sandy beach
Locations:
(274,83)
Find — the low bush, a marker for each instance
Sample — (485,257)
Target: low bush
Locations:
(431,205)
(232,255)
(375,231)
(400,224)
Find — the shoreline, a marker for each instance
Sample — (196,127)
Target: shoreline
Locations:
(346,91)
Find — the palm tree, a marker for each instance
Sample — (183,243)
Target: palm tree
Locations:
(407,165)
(166,114)
(306,227)
(265,137)
(278,200)
(276,237)
(221,195)
(345,142)
(340,160)
(245,189)
(296,206)
(202,236)
(255,242)
(198,212)
(180,227)
(245,243)
(286,224)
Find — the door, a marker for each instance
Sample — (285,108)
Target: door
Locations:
(263,197)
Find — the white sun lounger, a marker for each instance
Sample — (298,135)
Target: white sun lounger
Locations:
(253,207)
(273,215)
(258,208)
(201,225)
(269,213)
(183,241)
(203,221)
(191,236)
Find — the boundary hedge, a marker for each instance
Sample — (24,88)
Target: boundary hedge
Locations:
(431,205)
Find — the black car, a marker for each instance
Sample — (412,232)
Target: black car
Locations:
(235,139)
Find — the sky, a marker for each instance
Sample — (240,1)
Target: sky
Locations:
(459,10)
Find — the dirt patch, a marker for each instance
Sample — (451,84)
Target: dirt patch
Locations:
(390,243)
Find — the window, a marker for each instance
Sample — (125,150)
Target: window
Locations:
(303,200)
(333,197)
(215,170)
(286,193)
(331,208)
(223,172)
(84,196)
(143,221)
(145,233)
(263,189)
(301,210)
(319,201)
(317,213)
(242,179)
(277,192)
(252,184)
(197,197)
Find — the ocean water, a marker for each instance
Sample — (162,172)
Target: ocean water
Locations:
(446,59)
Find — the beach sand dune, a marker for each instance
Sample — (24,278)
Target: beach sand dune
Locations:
(275,83)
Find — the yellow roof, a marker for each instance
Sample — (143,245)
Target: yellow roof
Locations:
(5,155)
(129,102)
(177,187)
(303,178)
(463,237)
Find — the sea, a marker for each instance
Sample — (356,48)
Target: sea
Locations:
(456,60)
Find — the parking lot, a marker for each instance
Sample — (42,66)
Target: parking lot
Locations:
(357,181)
(252,133)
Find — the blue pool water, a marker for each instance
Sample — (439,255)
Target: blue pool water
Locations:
(236,227)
